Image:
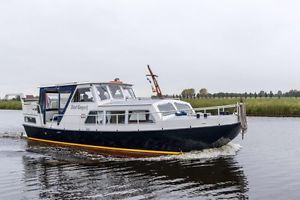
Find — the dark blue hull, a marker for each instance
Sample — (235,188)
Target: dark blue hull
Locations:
(153,142)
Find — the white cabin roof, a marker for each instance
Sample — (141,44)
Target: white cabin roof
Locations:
(83,83)
(131,102)
(137,102)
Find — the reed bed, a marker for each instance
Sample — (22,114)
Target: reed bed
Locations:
(10,105)
(271,107)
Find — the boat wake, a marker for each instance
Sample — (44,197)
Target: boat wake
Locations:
(12,134)
(230,149)
(64,153)
(81,156)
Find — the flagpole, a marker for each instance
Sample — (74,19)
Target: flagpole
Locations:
(155,82)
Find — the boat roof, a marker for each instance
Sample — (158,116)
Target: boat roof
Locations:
(136,102)
(85,83)
(131,102)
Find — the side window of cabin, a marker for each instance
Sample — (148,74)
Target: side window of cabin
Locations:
(166,109)
(30,120)
(95,117)
(115,117)
(140,116)
(83,95)
(128,92)
(102,92)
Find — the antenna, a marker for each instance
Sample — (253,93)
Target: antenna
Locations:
(153,76)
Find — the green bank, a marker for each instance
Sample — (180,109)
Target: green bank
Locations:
(272,107)
(10,105)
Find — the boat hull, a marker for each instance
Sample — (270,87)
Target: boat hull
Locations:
(156,142)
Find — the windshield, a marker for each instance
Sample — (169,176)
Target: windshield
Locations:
(183,107)
(116,91)
(128,92)
(102,92)
(166,109)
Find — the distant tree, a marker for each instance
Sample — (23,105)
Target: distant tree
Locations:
(250,95)
(220,94)
(255,95)
(188,93)
(279,94)
(261,93)
(271,95)
(203,92)
(293,93)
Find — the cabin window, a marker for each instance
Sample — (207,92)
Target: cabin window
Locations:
(115,117)
(140,116)
(116,92)
(95,117)
(128,92)
(183,107)
(103,92)
(83,95)
(166,109)
(30,120)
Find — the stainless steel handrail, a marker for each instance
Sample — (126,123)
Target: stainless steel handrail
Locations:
(218,108)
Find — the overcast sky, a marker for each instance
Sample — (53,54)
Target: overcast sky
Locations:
(233,46)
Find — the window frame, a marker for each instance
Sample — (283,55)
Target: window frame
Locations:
(117,115)
(84,87)
(166,113)
(129,89)
(141,111)
(189,111)
(95,117)
(97,91)
(112,95)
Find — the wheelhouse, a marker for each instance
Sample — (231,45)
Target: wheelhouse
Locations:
(55,100)
(108,103)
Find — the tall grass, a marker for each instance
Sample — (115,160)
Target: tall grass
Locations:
(10,105)
(273,107)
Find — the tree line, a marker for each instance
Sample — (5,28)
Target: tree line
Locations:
(203,93)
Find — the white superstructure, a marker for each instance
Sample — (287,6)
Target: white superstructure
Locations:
(113,106)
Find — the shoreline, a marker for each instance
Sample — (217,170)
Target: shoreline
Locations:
(259,107)
(10,105)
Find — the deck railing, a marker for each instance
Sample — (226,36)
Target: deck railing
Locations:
(220,109)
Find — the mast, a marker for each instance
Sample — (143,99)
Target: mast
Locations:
(154,76)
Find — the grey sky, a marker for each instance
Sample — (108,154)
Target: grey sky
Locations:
(233,46)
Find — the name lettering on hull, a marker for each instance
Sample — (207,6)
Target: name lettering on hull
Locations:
(79,107)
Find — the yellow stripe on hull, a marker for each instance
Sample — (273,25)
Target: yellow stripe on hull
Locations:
(107,148)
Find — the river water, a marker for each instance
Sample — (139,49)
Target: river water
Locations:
(265,165)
